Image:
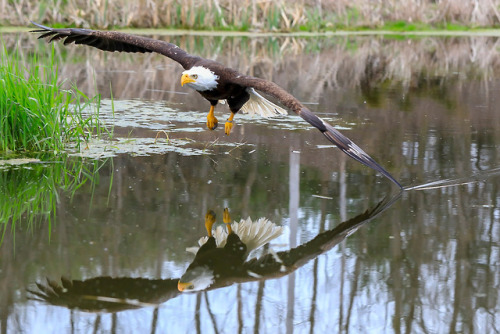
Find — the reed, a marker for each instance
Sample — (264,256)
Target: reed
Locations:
(261,15)
(36,113)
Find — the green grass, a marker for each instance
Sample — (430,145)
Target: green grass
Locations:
(36,113)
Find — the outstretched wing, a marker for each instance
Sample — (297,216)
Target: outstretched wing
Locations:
(345,144)
(116,41)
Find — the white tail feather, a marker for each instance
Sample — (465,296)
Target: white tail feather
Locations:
(258,105)
(252,234)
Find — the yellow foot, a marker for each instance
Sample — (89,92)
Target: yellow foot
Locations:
(228,126)
(226,218)
(211,119)
(209,221)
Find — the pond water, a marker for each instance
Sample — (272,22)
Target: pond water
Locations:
(112,224)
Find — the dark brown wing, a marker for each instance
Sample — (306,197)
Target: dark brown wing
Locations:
(116,41)
(345,144)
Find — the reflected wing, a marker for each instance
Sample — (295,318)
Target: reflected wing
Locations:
(106,293)
(345,144)
(283,263)
(116,41)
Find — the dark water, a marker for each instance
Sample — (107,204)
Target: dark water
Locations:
(426,109)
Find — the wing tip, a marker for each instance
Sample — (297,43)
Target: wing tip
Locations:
(345,144)
(42,27)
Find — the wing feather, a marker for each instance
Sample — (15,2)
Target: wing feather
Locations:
(333,135)
(116,41)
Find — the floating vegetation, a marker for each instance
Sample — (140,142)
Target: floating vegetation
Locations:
(159,116)
(98,149)
(162,119)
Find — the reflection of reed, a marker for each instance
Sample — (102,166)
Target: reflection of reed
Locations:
(329,63)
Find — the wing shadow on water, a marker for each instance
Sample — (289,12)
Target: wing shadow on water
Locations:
(108,294)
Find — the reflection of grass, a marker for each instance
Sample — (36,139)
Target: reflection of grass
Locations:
(28,196)
(36,114)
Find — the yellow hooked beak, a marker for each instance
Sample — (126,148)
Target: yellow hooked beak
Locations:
(184,286)
(186,79)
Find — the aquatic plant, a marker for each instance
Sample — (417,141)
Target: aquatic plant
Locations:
(36,113)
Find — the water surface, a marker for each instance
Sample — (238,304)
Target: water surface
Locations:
(426,109)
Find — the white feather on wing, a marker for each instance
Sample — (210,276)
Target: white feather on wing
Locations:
(259,105)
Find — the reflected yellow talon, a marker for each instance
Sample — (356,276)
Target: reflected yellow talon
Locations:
(209,221)
(229,124)
(212,121)
(226,218)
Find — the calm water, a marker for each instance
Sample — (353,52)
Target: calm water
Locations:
(426,109)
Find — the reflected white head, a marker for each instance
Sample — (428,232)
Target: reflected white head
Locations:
(196,279)
(199,78)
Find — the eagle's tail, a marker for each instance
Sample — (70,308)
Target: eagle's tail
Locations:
(259,105)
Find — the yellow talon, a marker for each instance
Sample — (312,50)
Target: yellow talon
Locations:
(229,124)
(226,218)
(227,128)
(209,221)
(211,119)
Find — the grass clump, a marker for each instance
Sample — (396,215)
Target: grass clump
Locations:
(36,113)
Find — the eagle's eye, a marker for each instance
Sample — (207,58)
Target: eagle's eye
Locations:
(194,76)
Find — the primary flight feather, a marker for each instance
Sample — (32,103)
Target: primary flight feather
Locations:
(214,82)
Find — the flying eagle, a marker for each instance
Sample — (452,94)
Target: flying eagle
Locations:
(215,82)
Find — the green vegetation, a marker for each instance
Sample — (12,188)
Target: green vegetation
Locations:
(36,113)
(40,120)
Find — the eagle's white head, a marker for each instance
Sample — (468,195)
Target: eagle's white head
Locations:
(199,78)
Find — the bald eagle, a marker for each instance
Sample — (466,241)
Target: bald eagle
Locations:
(215,82)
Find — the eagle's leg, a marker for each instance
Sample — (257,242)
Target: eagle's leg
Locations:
(209,222)
(211,120)
(229,124)
(235,103)
(226,217)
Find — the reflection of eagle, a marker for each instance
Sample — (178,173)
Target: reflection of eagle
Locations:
(214,82)
(225,253)
(116,294)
